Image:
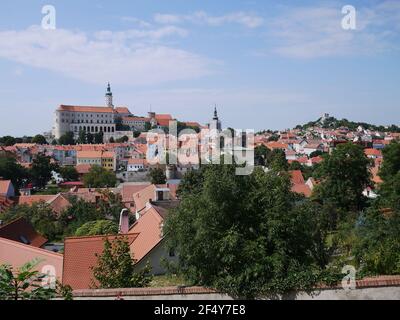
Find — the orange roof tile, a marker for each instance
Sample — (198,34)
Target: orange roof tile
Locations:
(4,186)
(22,231)
(296,176)
(17,254)
(86,109)
(80,257)
(149,230)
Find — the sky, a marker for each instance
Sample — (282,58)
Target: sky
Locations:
(265,64)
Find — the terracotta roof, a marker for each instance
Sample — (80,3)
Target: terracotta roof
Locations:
(136,161)
(17,254)
(296,176)
(135,119)
(4,186)
(89,154)
(57,202)
(129,190)
(122,110)
(86,109)
(276,145)
(29,200)
(83,168)
(302,189)
(22,231)
(163,117)
(192,124)
(80,257)
(373,152)
(149,230)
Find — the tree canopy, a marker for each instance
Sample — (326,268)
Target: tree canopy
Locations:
(247,235)
(115,267)
(99,177)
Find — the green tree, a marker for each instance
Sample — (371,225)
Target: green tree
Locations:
(157,176)
(238,236)
(98,138)
(377,249)
(81,137)
(89,138)
(110,204)
(24,283)
(391,161)
(112,140)
(41,169)
(40,215)
(8,141)
(79,213)
(123,139)
(277,161)
(261,155)
(11,170)
(99,177)
(97,228)
(115,267)
(39,139)
(69,173)
(67,139)
(344,174)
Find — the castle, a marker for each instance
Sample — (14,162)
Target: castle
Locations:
(91,119)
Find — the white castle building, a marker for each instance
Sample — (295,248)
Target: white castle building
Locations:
(88,118)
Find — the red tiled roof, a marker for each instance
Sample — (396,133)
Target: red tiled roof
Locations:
(129,190)
(276,145)
(17,254)
(373,152)
(302,189)
(83,168)
(80,257)
(86,109)
(163,117)
(4,186)
(22,231)
(57,202)
(122,110)
(296,176)
(149,230)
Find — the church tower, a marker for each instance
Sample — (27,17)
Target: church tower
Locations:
(109,97)
(215,123)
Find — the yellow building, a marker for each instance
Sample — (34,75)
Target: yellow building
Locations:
(105,159)
(108,161)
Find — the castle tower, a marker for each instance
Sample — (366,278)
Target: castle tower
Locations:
(109,97)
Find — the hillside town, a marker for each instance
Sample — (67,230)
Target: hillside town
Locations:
(93,173)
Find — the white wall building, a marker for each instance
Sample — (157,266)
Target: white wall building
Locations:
(88,118)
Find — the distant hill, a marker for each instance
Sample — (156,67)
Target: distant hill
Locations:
(333,123)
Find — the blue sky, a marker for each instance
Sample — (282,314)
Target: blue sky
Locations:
(266,65)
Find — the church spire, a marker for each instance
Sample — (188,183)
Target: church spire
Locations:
(215,113)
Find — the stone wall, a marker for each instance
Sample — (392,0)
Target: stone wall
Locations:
(380,288)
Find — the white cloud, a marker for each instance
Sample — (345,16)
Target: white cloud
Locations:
(201,17)
(310,32)
(128,57)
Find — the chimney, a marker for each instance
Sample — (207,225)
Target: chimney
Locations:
(124,221)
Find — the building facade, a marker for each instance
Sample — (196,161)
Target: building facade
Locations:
(91,119)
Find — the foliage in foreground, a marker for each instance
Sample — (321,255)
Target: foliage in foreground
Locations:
(247,235)
(26,283)
(115,267)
